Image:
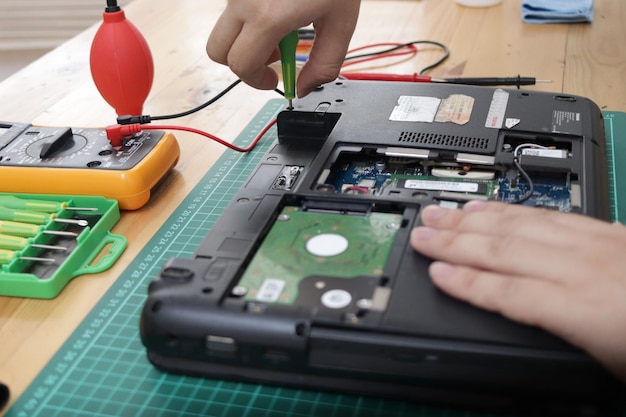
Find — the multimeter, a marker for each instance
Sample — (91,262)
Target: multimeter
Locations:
(82,161)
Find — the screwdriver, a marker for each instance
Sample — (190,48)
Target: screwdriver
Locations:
(7,256)
(17,243)
(18,228)
(287,48)
(29,230)
(24,216)
(17,203)
(13,202)
(36,217)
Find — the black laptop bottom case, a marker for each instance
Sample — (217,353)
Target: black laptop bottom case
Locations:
(308,279)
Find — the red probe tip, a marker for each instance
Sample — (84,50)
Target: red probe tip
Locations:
(116,133)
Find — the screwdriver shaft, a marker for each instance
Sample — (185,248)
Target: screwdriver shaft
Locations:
(20,243)
(6,256)
(82,223)
(50,247)
(60,233)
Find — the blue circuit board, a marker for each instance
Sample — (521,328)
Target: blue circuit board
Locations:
(364,177)
(370,177)
(551,194)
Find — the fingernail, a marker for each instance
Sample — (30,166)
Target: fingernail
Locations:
(422,234)
(433,212)
(474,205)
(441,270)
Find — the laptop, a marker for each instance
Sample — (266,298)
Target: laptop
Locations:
(308,280)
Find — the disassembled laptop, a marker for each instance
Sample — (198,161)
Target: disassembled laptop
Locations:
(308,278)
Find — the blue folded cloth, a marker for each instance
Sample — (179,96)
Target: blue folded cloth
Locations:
(557,11)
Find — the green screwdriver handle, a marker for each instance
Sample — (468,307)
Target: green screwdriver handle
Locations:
(18,229)
(16,203)
(24,216)
(287,48)
(12,242)
(6,256)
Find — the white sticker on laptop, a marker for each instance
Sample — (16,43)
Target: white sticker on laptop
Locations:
(270,290)
(456,186)
(415,109)
(497,109)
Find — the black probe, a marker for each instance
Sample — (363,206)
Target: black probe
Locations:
(492,81)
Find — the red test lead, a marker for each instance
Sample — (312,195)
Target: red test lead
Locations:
(484,81)
(117,133)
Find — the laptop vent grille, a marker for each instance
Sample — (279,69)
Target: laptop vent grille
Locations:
(444,141)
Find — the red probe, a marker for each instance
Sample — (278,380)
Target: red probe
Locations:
(484,81)
(377,76)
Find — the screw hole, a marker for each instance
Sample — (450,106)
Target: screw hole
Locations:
(300,329)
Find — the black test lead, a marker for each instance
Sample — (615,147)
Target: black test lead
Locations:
(482,81)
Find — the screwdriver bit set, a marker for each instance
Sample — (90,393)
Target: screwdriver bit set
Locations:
(46,240)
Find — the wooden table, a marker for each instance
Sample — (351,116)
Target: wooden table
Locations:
(583,59)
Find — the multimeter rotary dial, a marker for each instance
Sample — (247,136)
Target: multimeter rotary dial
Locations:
(56,145)
(64,147)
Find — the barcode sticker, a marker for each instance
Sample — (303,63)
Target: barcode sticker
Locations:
(465,187)
(497,109)
(270,290)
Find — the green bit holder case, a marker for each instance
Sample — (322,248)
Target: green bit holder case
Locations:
(94,250)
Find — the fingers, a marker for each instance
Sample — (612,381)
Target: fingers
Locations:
(251,64)
(500,219)
(229,44)
(509,254)
(578,221)
(332,38)
(519,241)
(508,296)
(222,37)
(588,316)
(247,34)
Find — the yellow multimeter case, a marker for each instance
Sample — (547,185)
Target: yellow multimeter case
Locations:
(83,162)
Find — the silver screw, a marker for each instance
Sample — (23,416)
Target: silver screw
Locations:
(239,291)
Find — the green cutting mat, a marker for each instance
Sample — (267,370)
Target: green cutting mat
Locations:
(615,126)
(102,369)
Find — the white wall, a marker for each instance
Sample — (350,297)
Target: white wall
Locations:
(30,28)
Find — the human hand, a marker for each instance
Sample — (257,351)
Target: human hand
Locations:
(247,34)
(565,273)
